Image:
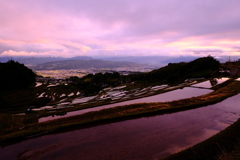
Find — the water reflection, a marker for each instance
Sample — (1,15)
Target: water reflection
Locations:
(178,94)
(144,138)
(211,83)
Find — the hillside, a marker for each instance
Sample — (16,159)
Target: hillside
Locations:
(83,64)
(173,72)
(15,75)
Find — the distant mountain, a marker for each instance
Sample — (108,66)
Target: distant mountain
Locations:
(83,64)
(158,61)
(5,59)
(39,60)
(32,60)
(161,61)
(180,59)
(82,57)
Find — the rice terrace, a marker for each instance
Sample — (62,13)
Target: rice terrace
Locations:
(173,113)
(120,80)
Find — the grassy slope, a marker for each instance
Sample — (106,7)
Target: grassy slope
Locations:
(119,113)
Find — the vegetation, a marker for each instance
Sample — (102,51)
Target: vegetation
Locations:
(15,101)
(21,99)
(233,67)
(177,72)
(173,73)
(15,75)
(92,84)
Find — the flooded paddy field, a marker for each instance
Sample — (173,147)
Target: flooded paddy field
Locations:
(112,97)
(177,94)
(121,94)
(143,138)
(211,83)
(172,93)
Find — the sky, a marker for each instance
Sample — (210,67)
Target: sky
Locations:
(68,28)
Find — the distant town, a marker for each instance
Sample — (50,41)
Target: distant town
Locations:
(64,74)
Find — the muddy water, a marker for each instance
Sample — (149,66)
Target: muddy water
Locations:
(141,139)
(178,94)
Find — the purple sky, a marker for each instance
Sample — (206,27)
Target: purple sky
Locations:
(119,27)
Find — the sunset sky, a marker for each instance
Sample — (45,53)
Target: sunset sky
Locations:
(70,28)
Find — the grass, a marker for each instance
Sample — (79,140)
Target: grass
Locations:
(14,134)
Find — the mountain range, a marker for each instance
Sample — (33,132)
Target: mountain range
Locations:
(83,64)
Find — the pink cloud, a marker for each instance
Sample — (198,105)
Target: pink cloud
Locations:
(120,27)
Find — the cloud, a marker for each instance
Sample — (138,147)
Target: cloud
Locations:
(236,49)
(119,27)
(28,47)
(76,47)
(11,53)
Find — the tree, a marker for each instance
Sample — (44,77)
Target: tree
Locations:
(14,75)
